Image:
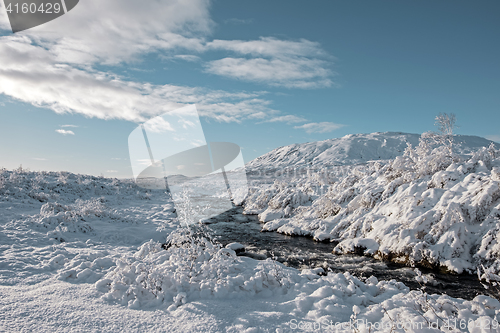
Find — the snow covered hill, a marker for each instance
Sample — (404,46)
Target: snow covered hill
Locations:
(353,149)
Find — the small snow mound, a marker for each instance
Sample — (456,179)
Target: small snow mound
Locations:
(236,247)
(357,245)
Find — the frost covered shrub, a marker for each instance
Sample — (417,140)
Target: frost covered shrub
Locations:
(281,201)
(193,249)
(326,207)
(94,207)
(320,177)
(426,159)
(58,218)
(188,267)
(258,199)
(288,197)
(80,208)
(489,279)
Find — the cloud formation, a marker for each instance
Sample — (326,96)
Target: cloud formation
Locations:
(188,57)
(323,127)
(29,73)
(158,125)
(115,31)
(290,64)
(289,119)
(65,132)
(53,65)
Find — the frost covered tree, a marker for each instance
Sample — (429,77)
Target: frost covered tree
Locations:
(437,148)
(434,152)
(446,126)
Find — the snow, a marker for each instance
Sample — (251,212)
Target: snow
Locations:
(422,208)
(236,247)
(91,254)
(352,149)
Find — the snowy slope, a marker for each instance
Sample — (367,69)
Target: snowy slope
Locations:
(353,149)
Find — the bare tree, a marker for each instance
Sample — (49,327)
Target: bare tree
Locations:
(446,126)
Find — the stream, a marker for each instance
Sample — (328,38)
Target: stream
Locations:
(302,252)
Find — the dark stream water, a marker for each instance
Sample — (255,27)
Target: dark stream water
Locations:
(302,252)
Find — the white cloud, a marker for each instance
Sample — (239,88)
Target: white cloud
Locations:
(51,65)
(495,138)
(270,47)
(29,73)
(38,158)
(188,57)
(72,126)
(289,119)
(291,64)
(112,171)
(289,73)
(323,127)
(113,31)
(158,125)
(65,132)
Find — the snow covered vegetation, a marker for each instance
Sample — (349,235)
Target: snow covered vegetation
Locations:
(429,206)
(91,254)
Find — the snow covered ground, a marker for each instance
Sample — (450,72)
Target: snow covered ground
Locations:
(88,254)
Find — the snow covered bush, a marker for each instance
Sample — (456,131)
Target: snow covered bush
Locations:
(60,219)
(326,207)
(258,199)
(426,159)
(283,200)
(489,279)
(189,266)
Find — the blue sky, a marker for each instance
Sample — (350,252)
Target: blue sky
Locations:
(262,74)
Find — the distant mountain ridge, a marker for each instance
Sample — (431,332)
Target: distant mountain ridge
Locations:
(354,149)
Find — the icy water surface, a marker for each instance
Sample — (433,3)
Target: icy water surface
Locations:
(302,252)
